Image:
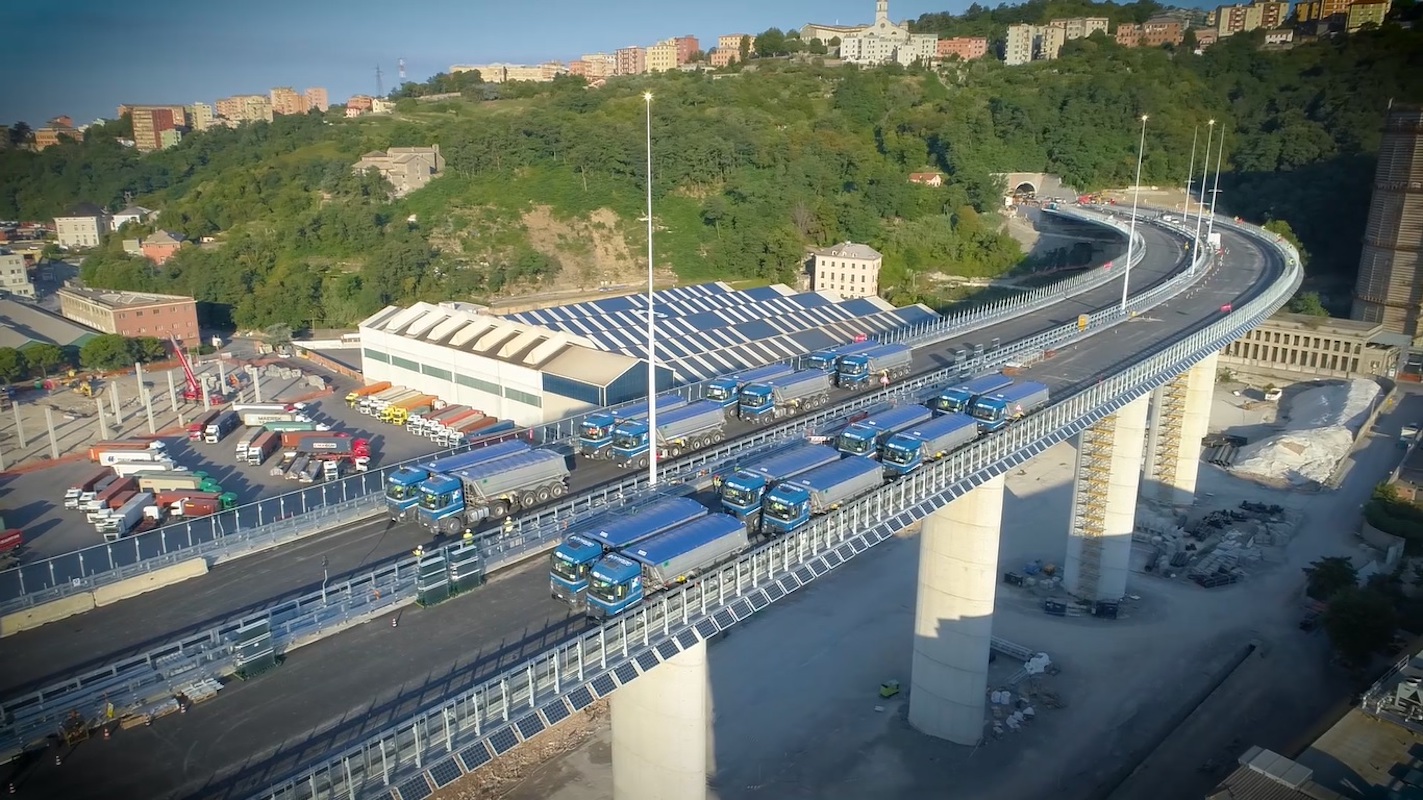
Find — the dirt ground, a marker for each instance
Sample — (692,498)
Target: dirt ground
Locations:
(797,713)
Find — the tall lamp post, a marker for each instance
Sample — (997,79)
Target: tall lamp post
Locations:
(1191,170)
(651,318)
(1205,171)
(1215,188)
(1131,232)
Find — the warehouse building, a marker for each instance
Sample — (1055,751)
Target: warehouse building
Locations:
(547,364)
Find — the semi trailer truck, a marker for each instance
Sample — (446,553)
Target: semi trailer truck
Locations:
(221,425)
(295,426)
(864,438)
(400,413)
(828,359)
(793,503)
(911,449)
(595,432)
(402,487)
(138,445)
(768,401)
(178,482)
(994,411)
(456,502)
(623,579)
(352,398)
(958,399)
(573,559)
(743,491)
(680,430)
(883,364)
(727,390)
(196,427)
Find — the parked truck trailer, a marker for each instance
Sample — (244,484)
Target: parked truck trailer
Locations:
(828,359)
(785,396)
(726,391)
(875,367)
(742,492)
(793,503)
(958,399)
(910,449)
(574,558)
(596,431)
(864,437)
(402,487)
(623,579)
(455,502)
(680,430)
(994,411)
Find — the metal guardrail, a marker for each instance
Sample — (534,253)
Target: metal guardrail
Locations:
(131,682)
(461,734)
(264,523)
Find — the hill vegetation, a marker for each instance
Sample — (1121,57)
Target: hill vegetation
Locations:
(544,185)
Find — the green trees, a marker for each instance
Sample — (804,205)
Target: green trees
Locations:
(111,351)
(13,365)
(1329,576)
(46,358)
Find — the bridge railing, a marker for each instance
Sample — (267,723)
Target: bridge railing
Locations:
(282,518)
(464,732)
(133,681)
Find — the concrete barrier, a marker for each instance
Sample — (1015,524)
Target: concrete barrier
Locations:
(147,582)
(45,613)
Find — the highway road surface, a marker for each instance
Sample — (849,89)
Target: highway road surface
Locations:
(340,690)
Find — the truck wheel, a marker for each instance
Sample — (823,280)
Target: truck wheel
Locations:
(676,451)
(529,500)
(698,443)
(642,462)
(498,509)
(449,526)
(557,490)
(718,437)
(542,494)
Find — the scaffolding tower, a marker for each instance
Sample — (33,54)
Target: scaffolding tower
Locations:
(1164,444)
(1089,504)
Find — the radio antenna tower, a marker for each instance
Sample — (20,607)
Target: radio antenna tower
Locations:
(380,86)
(401,63)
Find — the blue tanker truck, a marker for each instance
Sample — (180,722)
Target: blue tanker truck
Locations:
(572,560)
(959,399)
(828,359)
(863,438)
(768,401)
(792,503)
(678,431)
(882,364)
(910,449)
(595,433)
(743,490)
(402,487)
(726,391)
(996,410)
(457,501)
(621,580)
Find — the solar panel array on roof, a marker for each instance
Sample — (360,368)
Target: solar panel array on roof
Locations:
(711,329)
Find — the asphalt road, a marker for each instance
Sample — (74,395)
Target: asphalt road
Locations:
(52,652)
(257,732)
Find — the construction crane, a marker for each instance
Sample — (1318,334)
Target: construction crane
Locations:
(193,389)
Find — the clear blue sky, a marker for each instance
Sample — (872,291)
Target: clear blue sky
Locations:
(84,57)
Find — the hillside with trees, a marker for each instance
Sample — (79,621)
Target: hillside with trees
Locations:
(544,182)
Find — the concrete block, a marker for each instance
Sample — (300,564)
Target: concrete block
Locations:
(147,582)
(45,613)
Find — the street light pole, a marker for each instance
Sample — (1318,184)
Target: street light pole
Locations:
(651,325)
(1201,209)
(1191,170)
(1215,189)
(1131,232)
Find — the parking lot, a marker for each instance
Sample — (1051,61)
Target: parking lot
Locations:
(32,495)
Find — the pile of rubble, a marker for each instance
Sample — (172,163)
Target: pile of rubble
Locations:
(1213,549)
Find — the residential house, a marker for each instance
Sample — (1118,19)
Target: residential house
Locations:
(934,179)
(406,168)
(135,214)
(966,48)
(15,275)
(848,268)
(132,313)
(58,129)
(162,246)
(82,226)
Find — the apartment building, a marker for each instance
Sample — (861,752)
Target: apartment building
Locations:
(1361,14)
(1322,11)
(317,99)
(406,168)
(965,48)
(82,226)
(286,100)
(848,268)
(687,46)
(58,129)
(14,275)
(200,116)
(1389,289)
(1156,32)
(632,60)
(1317,347)
(1019,48)
(150,123)
(245,108)
(662,57)
(1230,20)
(1080,27)
(132,313)
(537,73)
(597,65)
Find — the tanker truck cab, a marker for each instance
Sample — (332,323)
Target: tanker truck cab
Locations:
(569,568)
(741,494)
(858,440)
(595,434)
(630,442)
(441,497)
(853,370)
(902,454)
(614,585)
(756,401)
(402,491)
(784,509)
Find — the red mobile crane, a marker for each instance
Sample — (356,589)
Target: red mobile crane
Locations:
(193,391)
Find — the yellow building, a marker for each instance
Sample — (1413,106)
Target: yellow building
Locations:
(1361,14)
(662,57)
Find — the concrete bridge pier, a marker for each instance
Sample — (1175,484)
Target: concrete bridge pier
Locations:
(1180,419)
(660,731)
(953,616)
(1104,496)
